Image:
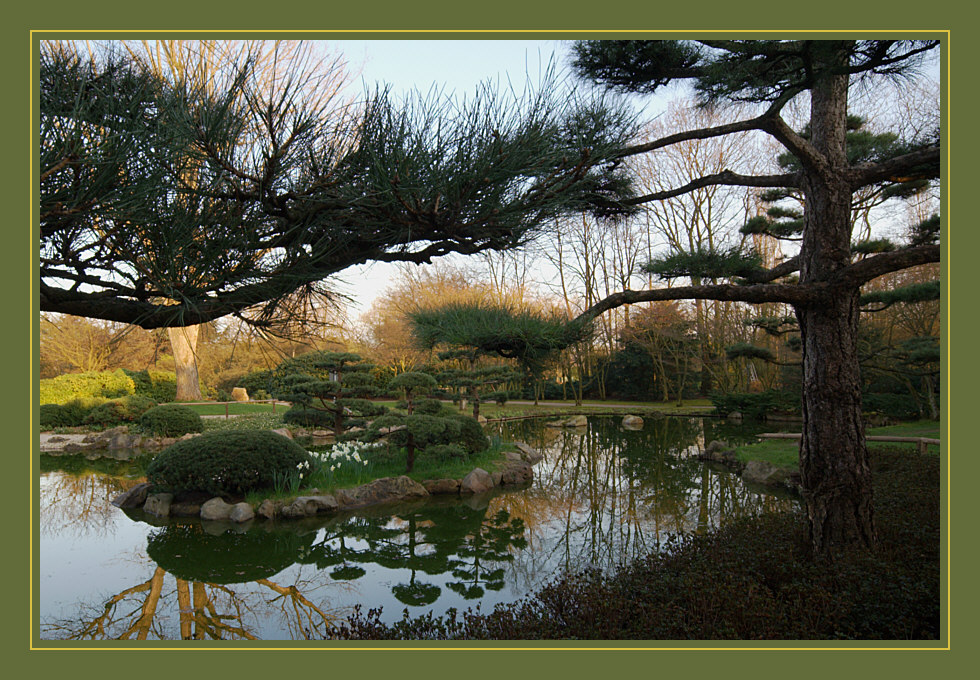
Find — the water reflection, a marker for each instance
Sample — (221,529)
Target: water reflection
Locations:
(601,497)
(605,495)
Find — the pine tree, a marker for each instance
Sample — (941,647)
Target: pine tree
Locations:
(287,189)
(328,388)
(827,173)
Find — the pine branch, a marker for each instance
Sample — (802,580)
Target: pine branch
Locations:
(723,178)
(921,164)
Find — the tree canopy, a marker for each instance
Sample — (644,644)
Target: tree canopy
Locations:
(168,203)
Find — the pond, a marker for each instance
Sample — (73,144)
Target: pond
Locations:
(602,496)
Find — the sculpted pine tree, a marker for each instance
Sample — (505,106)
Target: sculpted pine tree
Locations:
(169,203)
(833,457)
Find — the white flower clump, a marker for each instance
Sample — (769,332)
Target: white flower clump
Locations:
(345,452)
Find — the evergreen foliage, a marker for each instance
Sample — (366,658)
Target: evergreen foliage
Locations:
(177,203)
(119,411)
(827,168)
(428,426)
(327,389)
(171,420)
(713,264)
(226,463)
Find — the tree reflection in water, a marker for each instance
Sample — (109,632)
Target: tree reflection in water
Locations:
(605,495)
(601,497)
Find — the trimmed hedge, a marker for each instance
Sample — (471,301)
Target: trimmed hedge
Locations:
(71,414)
(71,386)
(226,463)
(171,420)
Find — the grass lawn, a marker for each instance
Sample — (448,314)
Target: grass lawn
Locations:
(785,452)
(236,409)
(559,406)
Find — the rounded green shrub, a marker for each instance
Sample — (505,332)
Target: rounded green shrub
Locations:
(428,407)
(226,463)
(471,434)
(109,414)
(137,404)
(308,417)
(171,420)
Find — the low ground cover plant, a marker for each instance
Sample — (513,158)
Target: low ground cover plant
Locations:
(255,421)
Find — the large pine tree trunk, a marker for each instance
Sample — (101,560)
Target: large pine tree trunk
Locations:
(834,465)
(183,341)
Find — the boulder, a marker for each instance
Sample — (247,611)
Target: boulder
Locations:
(477,481)
(735,417)
(441,487)
(133,498)
(496,477)
(285,432)
(577,421)
(239,394)
(481,419)
(158,504)
(762,472)
(632,423)
(185,509)
(318,503)
(241,512)
(717,445)
(120,438)
(528,453)
(385,490)
(512,455)
(216,509)
(269,508)
(516,472)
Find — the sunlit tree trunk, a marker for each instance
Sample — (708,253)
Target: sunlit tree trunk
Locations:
(184,344)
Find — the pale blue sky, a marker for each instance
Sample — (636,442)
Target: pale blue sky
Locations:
(458,65)
(457,68)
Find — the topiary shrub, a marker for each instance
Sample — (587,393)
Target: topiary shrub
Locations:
(171,420)
(73,413)
(308,417)
(471,435)
(428,407)
(226,463)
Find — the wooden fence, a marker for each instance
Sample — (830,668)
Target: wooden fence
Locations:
(921,442)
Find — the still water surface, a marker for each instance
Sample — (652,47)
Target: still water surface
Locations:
(601,497)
